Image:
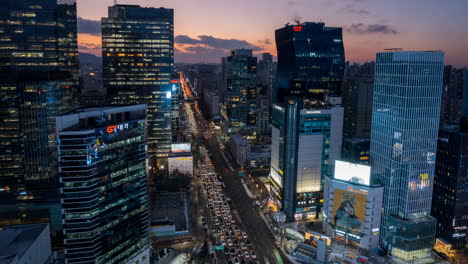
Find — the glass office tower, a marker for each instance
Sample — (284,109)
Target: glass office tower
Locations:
(138,60)
(405,124)
(102,161)
(238,93)
(310,62)
(305,145)
(38,81)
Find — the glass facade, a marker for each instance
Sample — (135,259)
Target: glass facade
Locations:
(239,91)
(38,73)
(175,106)
(138,60)
(102,161)
(302,155)
(405,123)
(310,62)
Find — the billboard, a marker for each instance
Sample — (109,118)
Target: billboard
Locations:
(349,211)
(351,172)
(180,147)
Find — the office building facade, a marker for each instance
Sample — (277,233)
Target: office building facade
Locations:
(102,162)
(310,62)
(138,61)
(405,124)
(450,199)
(305,145)
(238,94)
(38,81)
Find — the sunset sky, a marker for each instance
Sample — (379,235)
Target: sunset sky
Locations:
(205,30)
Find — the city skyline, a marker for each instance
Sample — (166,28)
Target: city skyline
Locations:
(368,26)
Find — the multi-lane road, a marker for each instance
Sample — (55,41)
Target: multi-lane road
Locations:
(254,225)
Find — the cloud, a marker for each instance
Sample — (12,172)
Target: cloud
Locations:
(83,45)
(362,29)
(213,42)
(89,26)
(350,9)
(197,54)
(266,41)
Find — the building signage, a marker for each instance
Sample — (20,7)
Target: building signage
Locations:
(354,173)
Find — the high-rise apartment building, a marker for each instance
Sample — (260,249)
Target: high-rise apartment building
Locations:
(102,161)
(405,125)
(138,61)
(310,62)
(305,145)
(38,81)
(238,94)
(450,198)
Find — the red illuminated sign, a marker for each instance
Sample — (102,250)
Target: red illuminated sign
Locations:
(297,28)
(174,81)
(111,129)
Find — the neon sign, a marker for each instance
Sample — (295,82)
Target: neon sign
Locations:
(297,28)
(174,81)
(111,129)
(114,128)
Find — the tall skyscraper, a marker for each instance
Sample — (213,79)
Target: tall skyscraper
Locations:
(38,79)
(405,124)
(175,106)
(451,96)
(310,62)
(450,198)
(358,87)
(305,145)
(266,72)
(102,161)
(138,60)
(238,93)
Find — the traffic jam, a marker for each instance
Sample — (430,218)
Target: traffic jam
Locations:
(227,232)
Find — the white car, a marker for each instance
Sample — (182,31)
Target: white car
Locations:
(243,246)
(230,242)
(244,235)
(253,254)
(246,255)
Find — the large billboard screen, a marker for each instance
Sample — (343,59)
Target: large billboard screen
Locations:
(349,211)
(180,147)
(351,172)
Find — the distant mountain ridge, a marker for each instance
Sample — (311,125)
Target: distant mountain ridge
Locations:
(87,58)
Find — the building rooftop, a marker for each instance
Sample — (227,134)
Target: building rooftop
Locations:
(16,240)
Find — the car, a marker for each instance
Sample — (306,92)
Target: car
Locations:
(236,242)
(239,253)
(233,252)
(244,235)
(243,247)
(236,261)
(230,243)
(233,221)
(246,255)
(223,242)
(248,242)
(226,251)
(252,254)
